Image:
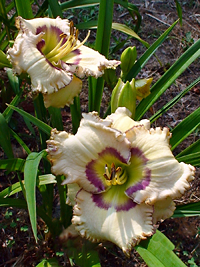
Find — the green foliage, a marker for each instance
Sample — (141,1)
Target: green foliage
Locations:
(157,250)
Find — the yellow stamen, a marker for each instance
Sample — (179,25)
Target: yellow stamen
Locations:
(116,176)
(61,50)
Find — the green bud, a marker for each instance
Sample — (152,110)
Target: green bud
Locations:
(124,95)
(128,58)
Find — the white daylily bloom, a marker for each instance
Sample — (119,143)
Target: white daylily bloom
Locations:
(126,174)
(50,52)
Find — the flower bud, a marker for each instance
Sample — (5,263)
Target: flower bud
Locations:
(128,58)
(124,95)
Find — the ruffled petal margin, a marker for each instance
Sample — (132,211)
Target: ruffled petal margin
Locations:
(73,155)
(64,96)
(123,228)
(92,63)
(168,176)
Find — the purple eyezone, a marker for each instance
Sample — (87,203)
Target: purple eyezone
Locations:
(140,185)
(99,202)
(91,172)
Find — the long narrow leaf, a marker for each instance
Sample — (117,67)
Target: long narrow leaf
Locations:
(184,128)
(191,209)
(147,54)
(195,147)
(5,142)
(79,3)
(55,8)
(193,159)
(41,125)
(168,78)
(125,29)
(172,102)
(8,111)
(12,164)
(20,141)
(11,190)
(102,45)
(30,175)
(24,9)
(157,251)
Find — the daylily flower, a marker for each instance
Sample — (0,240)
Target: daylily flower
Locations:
(50,52)
(124,174)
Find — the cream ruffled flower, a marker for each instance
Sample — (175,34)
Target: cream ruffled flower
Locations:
(50,52)
(123,176)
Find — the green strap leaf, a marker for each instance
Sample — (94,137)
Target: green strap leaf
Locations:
(11,190)
(55,8)
(172,102)
(185,128)
(12,165)
(5,142)
(30,175)
(157,252)
(191,209)
(24,9)
(193,159)
(195,147)
(168,78)
(148,53)
(125,29)
(40,124)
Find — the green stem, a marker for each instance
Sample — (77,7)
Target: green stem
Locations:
(102,45)
(65,210)
(76,114)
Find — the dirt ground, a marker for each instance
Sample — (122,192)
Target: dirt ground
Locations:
(17,246)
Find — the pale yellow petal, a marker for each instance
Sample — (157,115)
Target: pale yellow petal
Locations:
(168,176)
(92,63)
(121,120)
(37,23)
(123,228)
(70,155)
(163,209)
(25,57)
(64,96)
(72,190)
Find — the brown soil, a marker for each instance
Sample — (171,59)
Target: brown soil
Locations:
(17,245)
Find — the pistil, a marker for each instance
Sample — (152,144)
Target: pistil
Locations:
(116,176)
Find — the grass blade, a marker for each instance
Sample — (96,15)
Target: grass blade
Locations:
(40,124)
(30,175)
(195,147)
(12,165)
(5,142)
(55,8)
(184,128)
(168,78)
(173,101)
(24,9)
(150,51)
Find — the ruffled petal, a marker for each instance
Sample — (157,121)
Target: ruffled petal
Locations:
(121,120)
(82,158)
(168,176)
(25,57)
(124,228)
(163,209)
(64,96)
(37,24)
(92,63)
(72,190)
